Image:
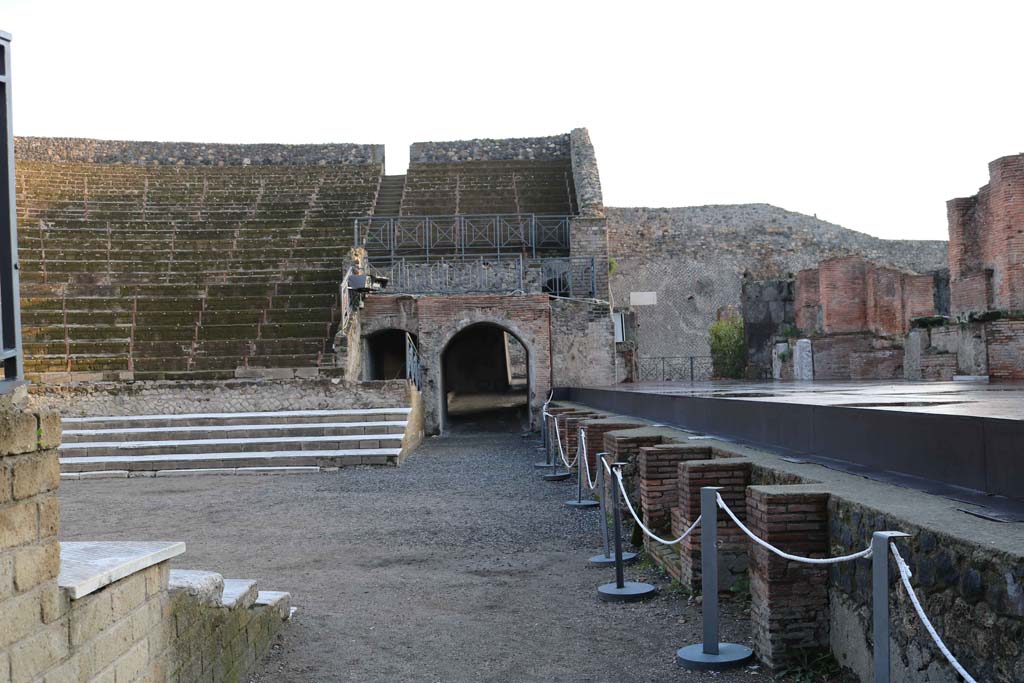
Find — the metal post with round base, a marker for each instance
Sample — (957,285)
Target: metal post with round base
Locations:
(545,442)
(556,473)
(622,590)
(581,463)
(607,557)
(711,655)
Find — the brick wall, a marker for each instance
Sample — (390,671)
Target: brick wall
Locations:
(843,292)
(986,242)
(733,475)
(808,300)
(789,600)
(1005,340)
(624,446)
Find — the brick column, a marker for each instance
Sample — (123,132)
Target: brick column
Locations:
(624,446)
(569,423)
(658,473)
(789,600)
(733,475)
(594,430)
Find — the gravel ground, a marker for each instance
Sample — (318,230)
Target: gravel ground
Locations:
(460,565)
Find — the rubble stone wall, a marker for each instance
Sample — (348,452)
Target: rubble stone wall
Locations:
(489,149)
(192,153)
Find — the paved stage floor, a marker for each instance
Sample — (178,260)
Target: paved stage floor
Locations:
(1003,400)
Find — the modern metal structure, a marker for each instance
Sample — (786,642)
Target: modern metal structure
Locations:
(514,233)
(10,307)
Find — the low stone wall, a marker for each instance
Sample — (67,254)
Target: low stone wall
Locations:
(488,149)
(192,153)
(177,397)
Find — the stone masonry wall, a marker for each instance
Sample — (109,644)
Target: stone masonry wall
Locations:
(488,149)
(585,174)
(694,258)
(177,397)
(582,346)
(192,153)
(986,242)
(33,634)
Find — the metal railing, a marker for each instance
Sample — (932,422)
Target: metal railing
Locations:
(488,273)
(463,234)
(413,370)
(674,369)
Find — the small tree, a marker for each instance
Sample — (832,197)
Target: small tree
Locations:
(728,349)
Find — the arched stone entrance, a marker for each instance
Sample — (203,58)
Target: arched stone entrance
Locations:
(485,376)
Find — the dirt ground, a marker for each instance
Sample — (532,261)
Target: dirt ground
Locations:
(460,565)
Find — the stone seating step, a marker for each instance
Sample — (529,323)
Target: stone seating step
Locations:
(206,587)
(277,600)
(154,463)
(228,444)
(250,430)
(239,593)
(261,417)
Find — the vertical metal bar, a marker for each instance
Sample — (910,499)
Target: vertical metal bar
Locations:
(533,235)
(663,377)
(522,274)
(620,574)
(604,507)
(579,470)
(691,369)
(593,278)
(10,308)
(709,566)
(880,601)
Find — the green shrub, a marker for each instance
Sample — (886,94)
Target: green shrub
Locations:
(728,350)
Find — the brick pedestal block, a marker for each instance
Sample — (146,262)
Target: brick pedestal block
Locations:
(733,475)
(624,446)
(594,431)
(569,424)
(789,600)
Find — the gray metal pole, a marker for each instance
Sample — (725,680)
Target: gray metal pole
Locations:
(709,566)
(880,601)
(711,655)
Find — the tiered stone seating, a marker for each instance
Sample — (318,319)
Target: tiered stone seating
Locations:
(486,187)
(231,443)
(172,272)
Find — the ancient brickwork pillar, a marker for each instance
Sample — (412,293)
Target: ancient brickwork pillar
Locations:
(594,430)
(789,600)
(624,446)
(733,475)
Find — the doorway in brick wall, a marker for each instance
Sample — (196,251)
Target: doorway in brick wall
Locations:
(485,380)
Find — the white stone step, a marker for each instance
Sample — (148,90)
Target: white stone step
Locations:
(206,587)
(223,416)
(239,593)
(232,471)
(278,600)
(254,455)
(134,445)
(235,428)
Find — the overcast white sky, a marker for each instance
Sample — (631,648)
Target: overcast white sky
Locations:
(868,114)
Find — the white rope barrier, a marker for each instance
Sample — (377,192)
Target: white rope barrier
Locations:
(905,578)
(591,482)
(558,440)
(659,539)
(796,558)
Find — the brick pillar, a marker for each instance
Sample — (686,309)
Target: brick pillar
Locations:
(569,423)
(658,471)
(624,446)
(789,600)
(594,430)
(733,475)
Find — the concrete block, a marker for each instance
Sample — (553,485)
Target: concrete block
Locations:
(49,516)
(18,525)
(38,653)
(49,428)
(35,564)
(35,474)
(20,616)
(133,663)
(803,360)
(17,433)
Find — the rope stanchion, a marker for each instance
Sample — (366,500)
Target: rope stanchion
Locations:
(711,655)
(544,434)
(643,527)
(905,579)
(622,590)
(607,558)
(556,475)
(582,463)
(795,558)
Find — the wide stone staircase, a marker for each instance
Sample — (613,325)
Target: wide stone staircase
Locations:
(281,442)
(389,196)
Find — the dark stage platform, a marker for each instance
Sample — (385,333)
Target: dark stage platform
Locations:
(963,440)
